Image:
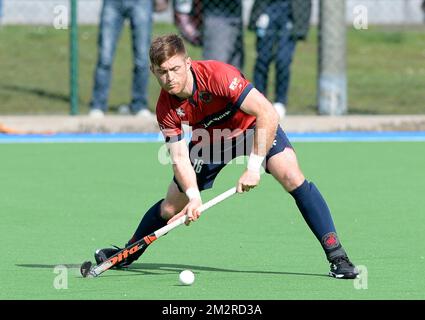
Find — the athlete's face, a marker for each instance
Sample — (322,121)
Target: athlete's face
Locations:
(173,74)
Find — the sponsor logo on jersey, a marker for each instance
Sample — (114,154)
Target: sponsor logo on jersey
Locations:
(234,84)
(224,116)
(205,96)
(180,112)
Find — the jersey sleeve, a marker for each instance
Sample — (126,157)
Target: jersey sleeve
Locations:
(227,81)
(169,124)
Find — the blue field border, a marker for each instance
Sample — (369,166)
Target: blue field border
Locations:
(343,136)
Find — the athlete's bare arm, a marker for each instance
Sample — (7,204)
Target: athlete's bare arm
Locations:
(267,121)
(186,177)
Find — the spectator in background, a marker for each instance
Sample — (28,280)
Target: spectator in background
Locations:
(278,24)
(1,11)
(223,31)
(422,6)
(188,19)
(113,15)
(216,25)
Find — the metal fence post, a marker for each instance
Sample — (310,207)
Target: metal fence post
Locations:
(332,78)
(74,59)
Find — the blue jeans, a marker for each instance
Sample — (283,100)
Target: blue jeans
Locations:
(114,12)
(274,41)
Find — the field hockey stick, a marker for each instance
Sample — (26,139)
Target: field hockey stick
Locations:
(87,270)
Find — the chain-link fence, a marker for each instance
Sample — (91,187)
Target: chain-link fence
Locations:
(295,51)
(389,12)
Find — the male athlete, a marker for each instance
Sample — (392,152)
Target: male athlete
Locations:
(229,117)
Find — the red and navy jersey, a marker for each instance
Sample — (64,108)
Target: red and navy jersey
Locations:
(218,92)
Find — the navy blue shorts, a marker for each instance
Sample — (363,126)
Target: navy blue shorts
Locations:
(208,163)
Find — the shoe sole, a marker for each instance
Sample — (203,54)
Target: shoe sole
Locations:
(343,276)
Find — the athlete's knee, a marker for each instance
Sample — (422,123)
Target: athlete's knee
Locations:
(284,167)
(292,179)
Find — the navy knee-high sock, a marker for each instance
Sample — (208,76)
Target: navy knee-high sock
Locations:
(318,217)
(151,222)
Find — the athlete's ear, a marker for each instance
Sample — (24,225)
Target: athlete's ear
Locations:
(188,62)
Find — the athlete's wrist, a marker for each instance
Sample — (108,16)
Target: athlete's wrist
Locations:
(193,193)
(254,162)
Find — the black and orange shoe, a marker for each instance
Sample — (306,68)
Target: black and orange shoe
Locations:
(101,255)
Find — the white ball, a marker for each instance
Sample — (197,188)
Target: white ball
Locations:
(186,277)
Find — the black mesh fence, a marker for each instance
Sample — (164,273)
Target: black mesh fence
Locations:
(306,56)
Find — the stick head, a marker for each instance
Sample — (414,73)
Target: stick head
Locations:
(85,269)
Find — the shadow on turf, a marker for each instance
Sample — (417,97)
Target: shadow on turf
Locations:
(147,268)
(36,91)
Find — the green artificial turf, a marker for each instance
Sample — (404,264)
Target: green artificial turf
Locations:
(59,202)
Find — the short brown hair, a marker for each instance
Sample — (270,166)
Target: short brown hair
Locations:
(165,47)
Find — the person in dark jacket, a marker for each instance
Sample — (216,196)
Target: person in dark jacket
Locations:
(278,25)
(423,8)
(216,25)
